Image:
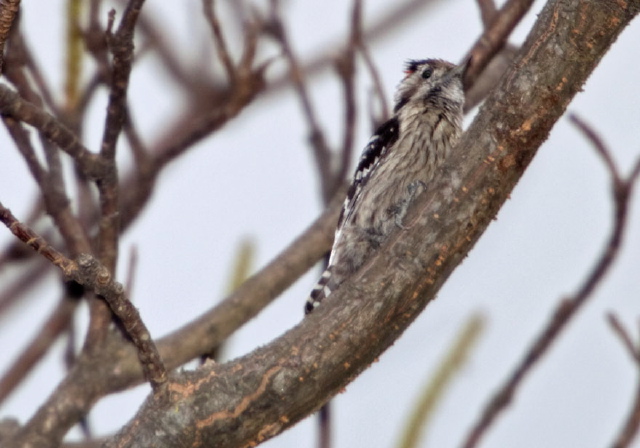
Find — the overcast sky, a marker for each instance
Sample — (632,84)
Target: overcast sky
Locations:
(256,179)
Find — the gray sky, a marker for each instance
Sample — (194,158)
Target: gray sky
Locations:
(256,179)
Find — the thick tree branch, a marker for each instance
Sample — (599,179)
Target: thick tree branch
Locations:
(216,325)
(89,380)
(253,398)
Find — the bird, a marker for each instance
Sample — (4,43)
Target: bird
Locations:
(395,167)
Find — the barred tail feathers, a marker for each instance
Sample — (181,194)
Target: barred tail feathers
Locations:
(321,291)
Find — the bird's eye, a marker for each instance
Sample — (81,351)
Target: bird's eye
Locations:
(426,74)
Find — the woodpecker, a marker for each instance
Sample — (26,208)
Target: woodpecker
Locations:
(395,167)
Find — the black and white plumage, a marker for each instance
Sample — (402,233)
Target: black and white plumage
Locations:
(395,167)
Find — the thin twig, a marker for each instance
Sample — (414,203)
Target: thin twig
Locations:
(21,138)
(321,150)
(19,55)
(16,68)
(494,37)
(16,251)
(13,105)
(488,11)
(95,40)
(598,145)
(497,66)
(218,39)
(194,125)
(121,46)
(158,38)
(140,155)
(20,287)
(47,335)
(346,65)
(52,187)
(624,336)
(88,271)
(131,272)
(59,412)
(378,89)
(568,307)
(630,428)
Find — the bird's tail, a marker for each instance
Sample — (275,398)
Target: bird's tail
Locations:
(321,291)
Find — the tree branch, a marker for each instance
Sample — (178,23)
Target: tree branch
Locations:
(495,37)
(321,151)
(12,105)
(253,398)
(567,308)
(58,322)
(87,271)
(89,379)
(629,430)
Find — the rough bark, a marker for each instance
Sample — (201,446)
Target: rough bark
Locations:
(253,398)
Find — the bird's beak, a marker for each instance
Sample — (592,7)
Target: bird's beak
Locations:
(461,69)
(458,71)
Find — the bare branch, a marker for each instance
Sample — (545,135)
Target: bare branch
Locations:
(630,428)
(12,105)
(495,37)
(21,286)
(52,187)
(88,272)
(303,368)
(121,46)
(55,325)
(295,374)
(218,39)
(490,77)
(20,57)
(568,307)
(598,145)
(487,11)
(624,336)
(199,337)
(358,36)
(345,66)
(194,127)
(321,150)
(23,143)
